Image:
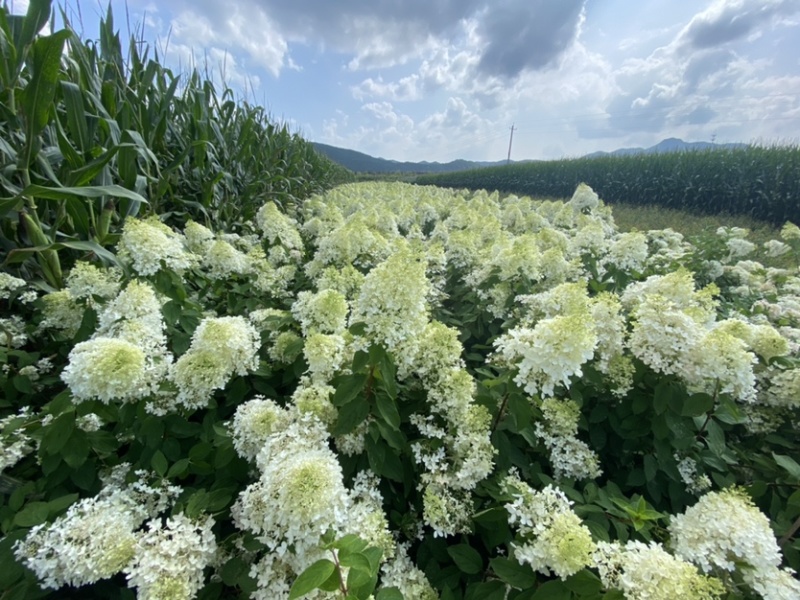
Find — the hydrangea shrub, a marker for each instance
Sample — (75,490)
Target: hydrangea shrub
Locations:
(396,391)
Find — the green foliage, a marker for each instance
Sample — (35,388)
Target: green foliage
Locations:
(758,181)
(90,137)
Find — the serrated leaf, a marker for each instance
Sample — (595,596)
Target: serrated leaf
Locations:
(466,558)
(32,514)
(310,579)
(57,433)
(159,463)
(788,463)
(584,583)
(348,388)
(351,415)
(390,593)
(388,411)
(513,573)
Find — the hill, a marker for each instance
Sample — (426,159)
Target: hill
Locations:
(667,145)
(364,163)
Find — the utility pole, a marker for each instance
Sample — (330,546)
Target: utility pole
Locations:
(510,139)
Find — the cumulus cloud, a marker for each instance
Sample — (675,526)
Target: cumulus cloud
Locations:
(527,35)
(515,35)
(700,75)
(729,20)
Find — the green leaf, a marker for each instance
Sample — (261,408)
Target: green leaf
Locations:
(351,415)
(90,191)
(58,432)
(715,437)
(347,388)
(37,97)
(350,543)
(389,593)
(159,463)
(466,558)
(788,463)
(33,514)
(490,590)
(310,579)
(552,590)
(513,573)
(35,19)
(388,411)
(584,583)
(59,504)
(697,405)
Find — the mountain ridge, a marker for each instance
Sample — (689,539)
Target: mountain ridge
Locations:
(361,162)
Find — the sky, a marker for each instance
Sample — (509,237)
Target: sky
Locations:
(439,80)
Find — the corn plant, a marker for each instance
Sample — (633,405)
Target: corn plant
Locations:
(762,182)
(90,136)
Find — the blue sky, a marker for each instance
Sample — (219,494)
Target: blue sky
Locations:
(438,80)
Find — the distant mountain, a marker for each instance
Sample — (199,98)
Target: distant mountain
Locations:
(364,163)
(667,145)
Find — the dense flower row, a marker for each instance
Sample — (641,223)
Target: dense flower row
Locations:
(380,266)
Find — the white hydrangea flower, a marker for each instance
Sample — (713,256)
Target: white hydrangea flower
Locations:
(107,369)
(446,511)
(278,228)
(198,237)
(220,347)
(628,252)
(569,456)
(550,353)
(584,198)
(783,390)
(89,422)
(392,302)
(223,260)
(720,362)
(145,243)
(403,574)
(662,335)
(134,315)
(15,443)
(253,422)
(695,483)
(85,280)
(774,583)
(298,498)
(648,572)
(775,248)
(61,311)
(724,529)
(324,354)
(555,538)
(9,284)
(96,538)
(170,557)
(790,231)
(315,399)
(323,312)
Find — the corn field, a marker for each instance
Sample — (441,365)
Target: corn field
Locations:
(762,182)
(90,135)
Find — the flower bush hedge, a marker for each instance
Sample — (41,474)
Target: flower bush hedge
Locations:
(394,391)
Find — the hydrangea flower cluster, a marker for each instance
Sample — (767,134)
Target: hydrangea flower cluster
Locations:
(149,245)
(553,538)
(725,532)
(97,537)
(127,358)
(648,572)
(569,456)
